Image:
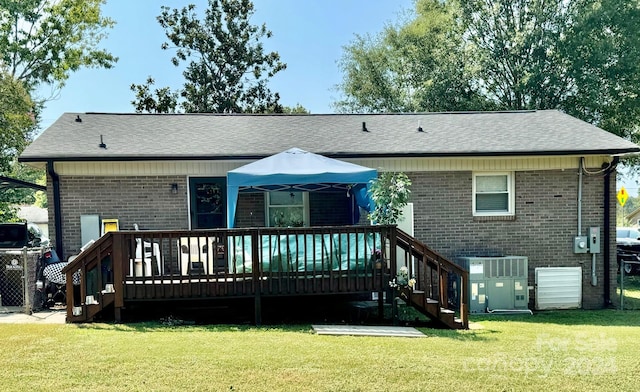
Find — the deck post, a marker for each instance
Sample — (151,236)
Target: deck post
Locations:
(118,264)
(70,297)
(257,276)
(393,242)
(464,300)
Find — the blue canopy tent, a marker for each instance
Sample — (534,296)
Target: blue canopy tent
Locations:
(301,170)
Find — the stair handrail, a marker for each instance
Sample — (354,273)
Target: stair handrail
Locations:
(444,264)
(87,258)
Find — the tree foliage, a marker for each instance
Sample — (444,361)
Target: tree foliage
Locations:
(16,131)
(44,41)
(16,126)
(390,192)
(579,56)
(16,121)
(298,109)
(41,43)
(418,66)
(149,100)
(227,69)
(516,47)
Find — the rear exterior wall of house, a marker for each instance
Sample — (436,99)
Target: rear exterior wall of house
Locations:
(149,202)
(143,200)
(542,229)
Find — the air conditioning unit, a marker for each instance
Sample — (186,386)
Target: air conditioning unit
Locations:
(497,283)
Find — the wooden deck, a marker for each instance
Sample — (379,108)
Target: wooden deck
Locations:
(137,267)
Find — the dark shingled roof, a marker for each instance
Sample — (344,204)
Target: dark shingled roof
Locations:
(229,136)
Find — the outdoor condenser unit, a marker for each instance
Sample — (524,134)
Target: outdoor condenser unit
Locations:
(497,283)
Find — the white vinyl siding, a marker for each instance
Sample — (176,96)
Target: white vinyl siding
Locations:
(220,168)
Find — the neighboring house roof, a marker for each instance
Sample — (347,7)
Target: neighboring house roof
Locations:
(229,136)
(633,216)
(33,214)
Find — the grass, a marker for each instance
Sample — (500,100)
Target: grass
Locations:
(569,350)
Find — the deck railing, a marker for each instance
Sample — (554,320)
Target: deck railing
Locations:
(164,265)
(128,266)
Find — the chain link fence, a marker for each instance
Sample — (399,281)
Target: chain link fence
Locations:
(18,279)
(629,285)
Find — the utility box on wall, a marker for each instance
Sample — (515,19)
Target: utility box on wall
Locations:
(497,283)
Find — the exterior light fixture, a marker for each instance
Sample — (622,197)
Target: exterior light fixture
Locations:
(174,188)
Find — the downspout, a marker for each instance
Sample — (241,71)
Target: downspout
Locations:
(55,179)
(607,230)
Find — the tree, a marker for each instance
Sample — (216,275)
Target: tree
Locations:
(298,109)
(16,121)
(419,66)
(44,41)
(579,56)
(605,66)
(390,193)
(160,100)
(41,43)
(516,46)
(16,129)
(227,68)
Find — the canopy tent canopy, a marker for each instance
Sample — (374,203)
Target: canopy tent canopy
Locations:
(301,170)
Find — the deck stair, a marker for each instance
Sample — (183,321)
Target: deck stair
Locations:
(437,278)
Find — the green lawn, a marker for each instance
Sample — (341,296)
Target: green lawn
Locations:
(569,350)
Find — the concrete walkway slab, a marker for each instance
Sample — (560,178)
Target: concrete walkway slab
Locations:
(368,330)
(7,316)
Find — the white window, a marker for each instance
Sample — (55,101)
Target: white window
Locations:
(287,209)
(493,194)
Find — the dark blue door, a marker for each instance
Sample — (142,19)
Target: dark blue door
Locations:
(208,202)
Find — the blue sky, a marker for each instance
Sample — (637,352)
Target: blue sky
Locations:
(308,35)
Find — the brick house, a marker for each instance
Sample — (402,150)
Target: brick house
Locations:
(484,183)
